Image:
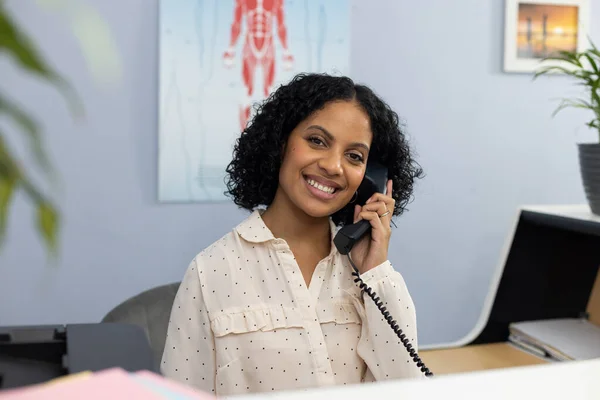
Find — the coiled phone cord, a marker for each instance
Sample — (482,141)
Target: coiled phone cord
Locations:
(390,320)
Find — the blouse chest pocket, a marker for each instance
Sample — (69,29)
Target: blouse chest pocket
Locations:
(272,331)
(338,313)
(261,349)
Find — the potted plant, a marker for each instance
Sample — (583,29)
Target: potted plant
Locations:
(584,68)
(17,46)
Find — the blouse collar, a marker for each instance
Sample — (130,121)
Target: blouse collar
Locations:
(254,230)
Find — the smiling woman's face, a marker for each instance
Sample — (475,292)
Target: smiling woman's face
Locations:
(325,159)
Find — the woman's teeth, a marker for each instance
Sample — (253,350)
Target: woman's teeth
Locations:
(325,189)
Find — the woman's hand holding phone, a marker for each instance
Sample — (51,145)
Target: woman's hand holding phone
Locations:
(372,249)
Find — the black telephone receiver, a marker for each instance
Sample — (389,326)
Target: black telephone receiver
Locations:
(375,180)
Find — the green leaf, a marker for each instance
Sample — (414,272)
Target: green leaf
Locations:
(7,189)
(7,165)
(578,103)
(31,129)
(555,69)
(565,56)
(22,50)
(594,50)
(592,63)
(586,76)
(47,220)
(47,215)
(595,124)
(596,100)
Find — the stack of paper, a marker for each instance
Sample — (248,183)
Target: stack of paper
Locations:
(558,339)
(111,384)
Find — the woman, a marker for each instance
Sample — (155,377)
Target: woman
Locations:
(273,305)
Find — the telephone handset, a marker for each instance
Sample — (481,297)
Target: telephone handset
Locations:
(375,180)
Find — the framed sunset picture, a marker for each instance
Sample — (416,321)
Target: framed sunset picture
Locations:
(535,29)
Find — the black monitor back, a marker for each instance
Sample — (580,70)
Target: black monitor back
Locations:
(549,273)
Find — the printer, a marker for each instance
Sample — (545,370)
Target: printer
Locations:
(36,354)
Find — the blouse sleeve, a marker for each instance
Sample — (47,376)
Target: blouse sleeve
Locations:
(379,346)
(189,353)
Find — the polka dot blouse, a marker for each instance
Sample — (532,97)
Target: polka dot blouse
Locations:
(244,321)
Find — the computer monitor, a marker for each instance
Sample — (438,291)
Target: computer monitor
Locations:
(549,271)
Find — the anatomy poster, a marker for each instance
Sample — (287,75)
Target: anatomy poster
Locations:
(218,58)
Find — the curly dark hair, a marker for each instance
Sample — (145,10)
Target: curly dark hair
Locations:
(257,155)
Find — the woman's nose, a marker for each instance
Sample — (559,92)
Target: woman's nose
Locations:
(331,164)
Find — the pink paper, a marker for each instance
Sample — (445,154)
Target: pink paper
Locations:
(112,384)
(174,386)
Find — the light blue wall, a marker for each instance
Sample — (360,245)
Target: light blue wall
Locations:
(485,139)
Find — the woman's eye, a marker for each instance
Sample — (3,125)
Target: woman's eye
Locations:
(355,157)
(316,141)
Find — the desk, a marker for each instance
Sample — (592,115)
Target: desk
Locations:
(477,358)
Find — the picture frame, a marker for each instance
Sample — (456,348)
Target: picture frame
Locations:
(534,29)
